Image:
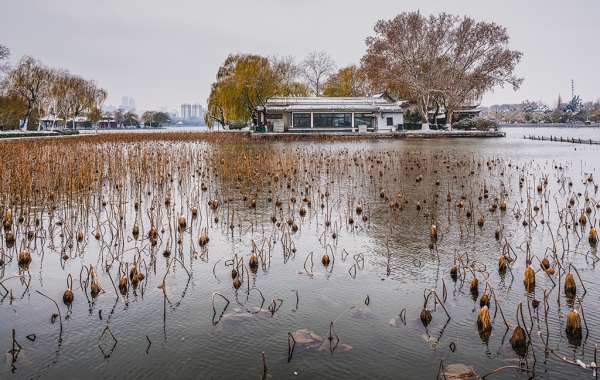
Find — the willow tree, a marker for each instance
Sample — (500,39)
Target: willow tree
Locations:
(27,80)
(55,92)
(246,81)
(444,58)
(83,96)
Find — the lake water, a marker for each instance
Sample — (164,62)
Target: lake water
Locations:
(385,256)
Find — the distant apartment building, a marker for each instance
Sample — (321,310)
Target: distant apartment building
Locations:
(127,103)
(164,109)
(197,111)
(186,111)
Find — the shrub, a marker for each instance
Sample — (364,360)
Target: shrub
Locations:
(465,124)
(477,123)
(412,117)
(238,124)
(486,124)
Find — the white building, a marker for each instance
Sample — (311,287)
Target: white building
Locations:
(379,113)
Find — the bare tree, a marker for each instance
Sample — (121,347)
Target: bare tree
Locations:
(118,116)
(316,68)
(445,59)
(4,54)
(477,60)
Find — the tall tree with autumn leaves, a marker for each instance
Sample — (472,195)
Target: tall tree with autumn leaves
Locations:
(349,81)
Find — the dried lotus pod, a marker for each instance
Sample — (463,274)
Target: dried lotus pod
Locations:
(502,264)
(545,264)
(484,301)
(529,278)
(484,323)
(433,231)
(237,283)
(425,317)
(570,286)
(24,259)
(253,262)
(474,286)
(518,339)
(573,327)
(453,271)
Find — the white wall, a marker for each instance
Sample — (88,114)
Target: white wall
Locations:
(382,121)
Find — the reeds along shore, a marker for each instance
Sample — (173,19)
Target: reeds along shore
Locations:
(174,190)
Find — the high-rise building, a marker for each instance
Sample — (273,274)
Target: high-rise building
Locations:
(197,111)
(186,111)
(164,109)
(127,103)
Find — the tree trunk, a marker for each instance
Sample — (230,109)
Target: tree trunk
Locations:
(449,118)
(423,111)
(27,116)
(25,122)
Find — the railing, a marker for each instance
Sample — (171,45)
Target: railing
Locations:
(562,139)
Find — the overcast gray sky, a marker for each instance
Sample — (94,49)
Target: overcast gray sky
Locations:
(167,52)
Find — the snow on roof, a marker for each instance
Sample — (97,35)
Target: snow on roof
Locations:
(380,102)
(330,107)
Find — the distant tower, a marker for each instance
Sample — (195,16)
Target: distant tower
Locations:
(572,88)
(186,111)
(131,103)
(125,101)
(197,110)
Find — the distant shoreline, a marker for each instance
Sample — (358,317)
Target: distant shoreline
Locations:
(549,125)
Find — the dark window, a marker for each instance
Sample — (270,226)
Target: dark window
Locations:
(342,120)
(323,120)
(301,120)
(390,121)
(332,119)
(361,119)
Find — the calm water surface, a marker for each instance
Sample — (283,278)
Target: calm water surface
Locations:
(189,341)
